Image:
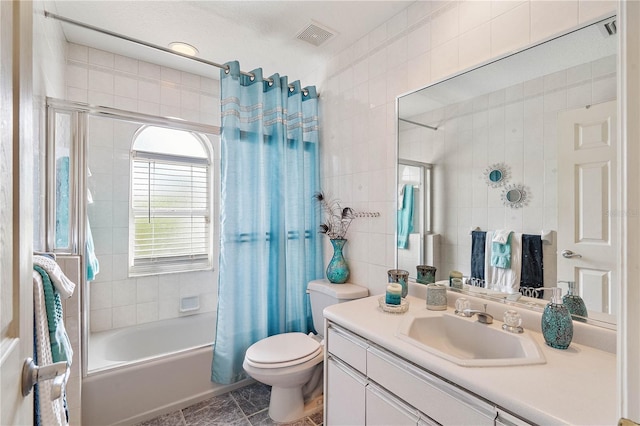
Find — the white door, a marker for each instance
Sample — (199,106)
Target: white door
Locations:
(587,196)
(16,297)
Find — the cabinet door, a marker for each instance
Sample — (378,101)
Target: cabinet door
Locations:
(384,409)
(345,397)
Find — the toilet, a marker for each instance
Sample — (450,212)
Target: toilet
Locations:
(291,363)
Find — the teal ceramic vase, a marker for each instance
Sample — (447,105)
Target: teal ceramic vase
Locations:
(557,327)
(338,270)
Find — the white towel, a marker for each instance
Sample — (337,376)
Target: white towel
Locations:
(63,284)
(51,412)
(505,280)
(488,243)
(501,236)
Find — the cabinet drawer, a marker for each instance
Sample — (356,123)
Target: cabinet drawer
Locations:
(347,346)
(384,409)
(439,400)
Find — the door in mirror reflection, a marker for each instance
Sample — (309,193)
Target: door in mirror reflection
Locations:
(415,246)
(586,205)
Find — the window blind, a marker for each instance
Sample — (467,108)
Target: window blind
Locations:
(171,216)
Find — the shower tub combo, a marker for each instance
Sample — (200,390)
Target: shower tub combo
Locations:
(135,373)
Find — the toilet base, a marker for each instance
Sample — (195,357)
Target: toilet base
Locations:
(286,405)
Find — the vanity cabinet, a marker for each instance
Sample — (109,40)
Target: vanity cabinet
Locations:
(367,384)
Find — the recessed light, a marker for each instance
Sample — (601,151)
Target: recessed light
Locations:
(184,48)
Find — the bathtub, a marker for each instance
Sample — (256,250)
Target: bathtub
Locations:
(128,383)
(142,342)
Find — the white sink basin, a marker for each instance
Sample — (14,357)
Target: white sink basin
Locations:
(467,342)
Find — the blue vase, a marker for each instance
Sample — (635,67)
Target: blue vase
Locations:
(338,270)
(557,326)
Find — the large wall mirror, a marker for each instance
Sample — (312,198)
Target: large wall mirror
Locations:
(521,148)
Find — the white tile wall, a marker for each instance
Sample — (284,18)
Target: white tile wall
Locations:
(511,30)
(551,17)
(475,46)
(473,13)
(117,81)
(441,38)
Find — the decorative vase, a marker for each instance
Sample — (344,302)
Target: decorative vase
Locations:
(426,274)
(338,270)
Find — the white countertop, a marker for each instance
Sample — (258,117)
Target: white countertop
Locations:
(576,386)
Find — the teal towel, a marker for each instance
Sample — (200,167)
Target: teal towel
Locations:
(501,254)
(93,266)
(62,202)
(405,217)
(60,344)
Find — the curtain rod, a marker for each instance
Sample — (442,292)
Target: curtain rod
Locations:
(154,46)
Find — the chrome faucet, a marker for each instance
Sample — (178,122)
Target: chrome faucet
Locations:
(483,316)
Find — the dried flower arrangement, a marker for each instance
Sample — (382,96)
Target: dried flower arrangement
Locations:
(338,218)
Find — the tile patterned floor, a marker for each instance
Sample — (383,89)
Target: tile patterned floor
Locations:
(247,406)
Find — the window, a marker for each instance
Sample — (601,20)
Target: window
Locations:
(170,228)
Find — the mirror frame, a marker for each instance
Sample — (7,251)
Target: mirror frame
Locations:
(501,168)
(522,200)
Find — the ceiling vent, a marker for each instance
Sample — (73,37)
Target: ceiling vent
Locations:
(315,34)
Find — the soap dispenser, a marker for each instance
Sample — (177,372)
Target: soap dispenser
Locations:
(574,302)
(557,325)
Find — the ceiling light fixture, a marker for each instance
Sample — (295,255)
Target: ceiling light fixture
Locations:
(184,48)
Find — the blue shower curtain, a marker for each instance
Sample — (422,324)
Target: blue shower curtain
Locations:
(269,245)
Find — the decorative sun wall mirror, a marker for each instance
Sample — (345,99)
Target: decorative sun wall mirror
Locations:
(496,175)
(514,196)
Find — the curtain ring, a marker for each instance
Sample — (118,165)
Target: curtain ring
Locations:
(270,83)
(227,69)
(305,93)
(252,77)
(291,89)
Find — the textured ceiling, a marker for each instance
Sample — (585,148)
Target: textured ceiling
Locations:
(257,33)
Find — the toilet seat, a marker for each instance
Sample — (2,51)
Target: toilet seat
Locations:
(282,350)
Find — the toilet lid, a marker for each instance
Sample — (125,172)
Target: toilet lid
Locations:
(282,350)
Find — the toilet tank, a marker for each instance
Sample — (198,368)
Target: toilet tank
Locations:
(322,293)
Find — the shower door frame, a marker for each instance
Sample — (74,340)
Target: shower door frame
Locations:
(80,114)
